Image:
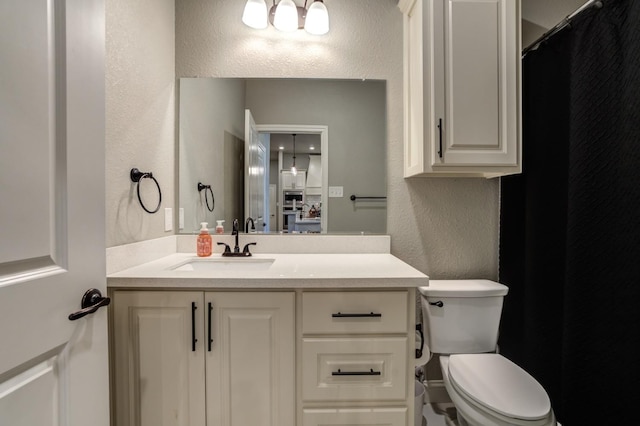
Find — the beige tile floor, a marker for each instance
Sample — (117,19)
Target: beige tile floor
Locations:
(431,417)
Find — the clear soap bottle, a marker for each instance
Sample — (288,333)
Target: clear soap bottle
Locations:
(204,241)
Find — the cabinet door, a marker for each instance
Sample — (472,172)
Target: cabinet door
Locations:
(158,358)
(250,362)
(481,55)
(288,181)
(301,180)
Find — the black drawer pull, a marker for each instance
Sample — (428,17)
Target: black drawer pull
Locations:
(193,326)
(209,333)
(355,373)
(440,132)
(369,315)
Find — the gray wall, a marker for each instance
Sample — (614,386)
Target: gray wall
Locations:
(211,134)
(355,114)
(538,16)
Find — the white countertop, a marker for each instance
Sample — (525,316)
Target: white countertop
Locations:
(317,270)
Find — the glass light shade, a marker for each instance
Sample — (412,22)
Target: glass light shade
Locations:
(294,171)
(317,21)
(286,18)
(255,14)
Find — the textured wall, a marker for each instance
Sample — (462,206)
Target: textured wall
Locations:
(140,76)
(444,227)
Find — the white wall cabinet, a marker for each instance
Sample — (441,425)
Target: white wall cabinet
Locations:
(203,358)
(291,181)
(462,98)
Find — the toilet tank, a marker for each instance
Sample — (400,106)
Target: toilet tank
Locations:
(462,316)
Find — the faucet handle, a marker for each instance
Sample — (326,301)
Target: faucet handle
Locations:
(246,248)
(227,249)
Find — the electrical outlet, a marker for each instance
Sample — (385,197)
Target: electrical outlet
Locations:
(168,219)
(336,191)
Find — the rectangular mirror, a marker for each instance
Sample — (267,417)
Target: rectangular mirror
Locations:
(229,169)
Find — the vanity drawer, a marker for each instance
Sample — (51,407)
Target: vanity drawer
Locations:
(354,369)
(355,416)
(354,312)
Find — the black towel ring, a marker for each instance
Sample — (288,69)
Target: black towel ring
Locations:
(208,190)
(137,176)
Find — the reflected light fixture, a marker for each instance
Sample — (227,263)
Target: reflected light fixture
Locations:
(287,16)
(294,171)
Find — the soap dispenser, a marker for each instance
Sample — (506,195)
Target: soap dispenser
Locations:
(220,227)
(204,241)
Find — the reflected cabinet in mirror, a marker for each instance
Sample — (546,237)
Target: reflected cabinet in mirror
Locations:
(287,153)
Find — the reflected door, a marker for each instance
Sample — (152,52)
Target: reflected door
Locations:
(256,162)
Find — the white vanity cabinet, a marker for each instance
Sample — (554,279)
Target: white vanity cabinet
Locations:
(193,358)
(462,98)
(354,358)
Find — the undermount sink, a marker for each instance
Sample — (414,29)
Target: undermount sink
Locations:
(224,264)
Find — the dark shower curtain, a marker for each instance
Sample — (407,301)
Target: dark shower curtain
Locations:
(570,224)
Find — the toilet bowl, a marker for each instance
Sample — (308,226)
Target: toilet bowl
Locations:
(460,321)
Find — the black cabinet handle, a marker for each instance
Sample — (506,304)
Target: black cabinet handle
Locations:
(355,373)
(440,131)
(210,340)
(193,326)
(92,300)
(369,315)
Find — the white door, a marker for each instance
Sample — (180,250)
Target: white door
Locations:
(53,371)
(255,174)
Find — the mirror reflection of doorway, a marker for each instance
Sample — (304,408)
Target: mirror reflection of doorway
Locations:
(309,213)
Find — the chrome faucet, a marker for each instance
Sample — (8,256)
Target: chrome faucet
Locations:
(246,225)
(302,213)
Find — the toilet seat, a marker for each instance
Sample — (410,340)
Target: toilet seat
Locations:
(499,385)
(495,389)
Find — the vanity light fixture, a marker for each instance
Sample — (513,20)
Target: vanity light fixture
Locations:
(287,16)
(294,171)
(255,14)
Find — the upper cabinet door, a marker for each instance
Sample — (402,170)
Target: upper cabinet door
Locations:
(462,87)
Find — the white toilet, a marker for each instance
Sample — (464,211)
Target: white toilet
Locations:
(461,319)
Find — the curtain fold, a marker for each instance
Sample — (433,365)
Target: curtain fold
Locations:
(570,224)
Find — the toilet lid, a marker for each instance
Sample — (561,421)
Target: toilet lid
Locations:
(498,384)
